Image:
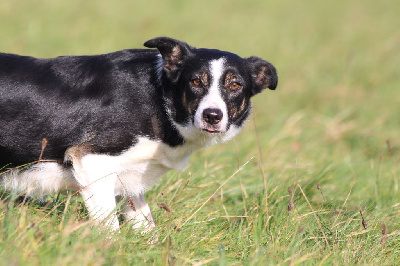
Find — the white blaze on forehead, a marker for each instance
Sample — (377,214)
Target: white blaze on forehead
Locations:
(214,93)
(216,69)
(213,99)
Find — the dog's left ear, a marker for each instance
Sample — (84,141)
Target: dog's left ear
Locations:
(263,74)
(173,52)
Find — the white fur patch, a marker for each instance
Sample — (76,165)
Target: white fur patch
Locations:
(40,179)
(213,98)
(137,169)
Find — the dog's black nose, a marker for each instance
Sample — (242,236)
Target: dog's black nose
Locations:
(212,116)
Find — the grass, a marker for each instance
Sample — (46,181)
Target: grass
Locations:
(330,133)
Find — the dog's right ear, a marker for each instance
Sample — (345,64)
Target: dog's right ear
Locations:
(173,52)
(263,73)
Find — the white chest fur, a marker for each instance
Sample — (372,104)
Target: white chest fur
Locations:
(141,165)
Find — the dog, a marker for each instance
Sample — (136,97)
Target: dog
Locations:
(110,125)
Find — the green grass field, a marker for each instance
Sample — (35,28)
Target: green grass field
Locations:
(319,159)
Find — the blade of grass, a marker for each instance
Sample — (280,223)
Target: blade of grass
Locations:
(215,192)
(315,216)
(262,170)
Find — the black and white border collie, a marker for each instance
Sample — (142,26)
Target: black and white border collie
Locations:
(110,125)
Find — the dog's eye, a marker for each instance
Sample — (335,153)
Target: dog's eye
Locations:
(234,86)
(196,82)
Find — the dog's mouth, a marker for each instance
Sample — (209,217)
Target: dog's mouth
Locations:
(211,130)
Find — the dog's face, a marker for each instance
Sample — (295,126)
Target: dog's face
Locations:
(211,88)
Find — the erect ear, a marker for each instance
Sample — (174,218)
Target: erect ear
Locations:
(173,52)
(263,74)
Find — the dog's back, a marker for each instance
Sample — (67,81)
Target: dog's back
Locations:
(104,100)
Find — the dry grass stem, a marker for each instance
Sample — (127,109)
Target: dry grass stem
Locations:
(320,190)
(183,189)
(215,192)
(163,206)
(315,216)
(290,204)
(384,238)
(344,204)
(262,169)
(131,204)
(363,222)
(44,144)
(389,146)
(242,188)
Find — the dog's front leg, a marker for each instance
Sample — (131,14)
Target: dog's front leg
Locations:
(96,179)
(136,210)
(100,201)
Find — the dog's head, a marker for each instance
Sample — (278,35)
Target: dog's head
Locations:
(210,90)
